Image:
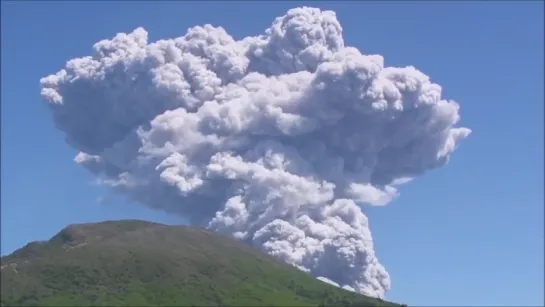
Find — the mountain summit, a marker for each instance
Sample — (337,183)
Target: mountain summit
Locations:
(140,263)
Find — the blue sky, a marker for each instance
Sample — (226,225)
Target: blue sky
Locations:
(470,233)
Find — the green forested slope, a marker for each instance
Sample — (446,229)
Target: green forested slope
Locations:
(139,263)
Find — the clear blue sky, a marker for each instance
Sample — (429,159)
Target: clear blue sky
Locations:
(470,233)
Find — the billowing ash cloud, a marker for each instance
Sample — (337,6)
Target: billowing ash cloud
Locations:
(276,139)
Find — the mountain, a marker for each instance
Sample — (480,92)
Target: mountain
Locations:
(139,263)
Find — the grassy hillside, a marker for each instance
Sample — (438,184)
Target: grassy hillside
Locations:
(139,263)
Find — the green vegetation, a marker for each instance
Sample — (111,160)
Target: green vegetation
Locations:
(139,263)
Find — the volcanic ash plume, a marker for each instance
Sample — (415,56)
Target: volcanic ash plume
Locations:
(276,139)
